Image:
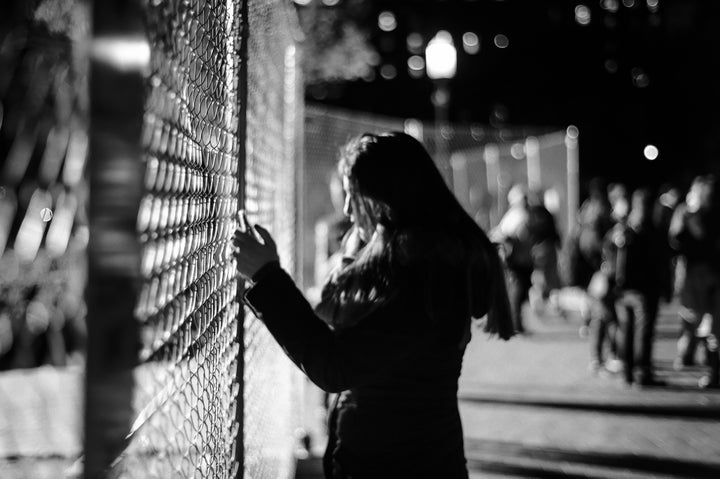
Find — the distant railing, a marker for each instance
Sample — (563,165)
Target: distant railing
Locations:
(481,165)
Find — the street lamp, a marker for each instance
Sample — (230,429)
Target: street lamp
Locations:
(441,65)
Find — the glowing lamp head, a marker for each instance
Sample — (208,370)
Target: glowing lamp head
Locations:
(441,56)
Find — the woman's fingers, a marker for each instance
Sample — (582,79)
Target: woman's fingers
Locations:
(253,247)
(264,234)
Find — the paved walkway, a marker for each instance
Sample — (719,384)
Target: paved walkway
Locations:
(532,408)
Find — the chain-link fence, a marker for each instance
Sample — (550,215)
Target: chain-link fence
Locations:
(187,385)
(272,394)
(196,110)
(479,163)
(213,396)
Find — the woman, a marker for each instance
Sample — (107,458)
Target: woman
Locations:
(394,320)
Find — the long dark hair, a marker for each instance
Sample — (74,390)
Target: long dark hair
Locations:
(420,232)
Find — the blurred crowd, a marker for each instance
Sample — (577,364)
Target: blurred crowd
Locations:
(627,252)
(42,310)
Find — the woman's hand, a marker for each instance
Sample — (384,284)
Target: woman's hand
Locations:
(352,242)
(254,247)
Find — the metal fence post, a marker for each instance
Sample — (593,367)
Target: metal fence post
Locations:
(115,178)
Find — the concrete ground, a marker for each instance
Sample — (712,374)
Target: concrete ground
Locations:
(531,407)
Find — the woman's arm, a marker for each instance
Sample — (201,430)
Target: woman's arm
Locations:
(335,360)
(383,341)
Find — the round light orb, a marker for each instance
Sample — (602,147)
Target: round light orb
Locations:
(501,41)
(582,15)
(651,152)
(387,21)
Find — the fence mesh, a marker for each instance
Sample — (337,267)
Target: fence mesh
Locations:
(186,384)
(188,388)
(480,166)
(272,384)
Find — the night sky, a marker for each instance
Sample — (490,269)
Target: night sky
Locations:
(640,72)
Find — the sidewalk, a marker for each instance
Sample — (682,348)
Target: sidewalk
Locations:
(540,412)
(532,408)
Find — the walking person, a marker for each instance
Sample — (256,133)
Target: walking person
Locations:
(630,256)
(514,234)
(603,294)
(545,241)
(583,249)
(394,320)
(695,234)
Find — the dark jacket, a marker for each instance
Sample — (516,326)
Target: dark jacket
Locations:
(633,259)
(397,372)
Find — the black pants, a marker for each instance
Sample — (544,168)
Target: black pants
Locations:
(637,315)
(519,283)
(604,328)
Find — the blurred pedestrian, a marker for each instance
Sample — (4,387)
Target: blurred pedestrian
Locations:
(583,248)
(513,233)
(630,256)
(667,201)
(545,241)
(602,294)
(694,233)
(393,323)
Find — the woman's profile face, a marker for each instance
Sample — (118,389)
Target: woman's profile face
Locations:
(354,209)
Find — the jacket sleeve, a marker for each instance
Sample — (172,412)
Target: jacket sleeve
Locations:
(335,360)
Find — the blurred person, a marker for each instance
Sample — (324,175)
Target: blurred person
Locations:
(618,198)
(665,205)
(545,241)
(630,258)
(513,233)
(394,320)
(603,325)
(583,248)
(694,234)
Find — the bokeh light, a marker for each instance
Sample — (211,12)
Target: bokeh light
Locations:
(387,21)
(416,62)
(610,5)
(416,66)
(471,43)
(651,152)
(46,214)
(517,151)
(414,43)
(501,41)
(582,15)
(388,72)
(611,65)
(640,78)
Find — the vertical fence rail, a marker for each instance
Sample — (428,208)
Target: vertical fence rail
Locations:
(242,96)
(115,177)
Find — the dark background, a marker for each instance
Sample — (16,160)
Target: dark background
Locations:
(554,73)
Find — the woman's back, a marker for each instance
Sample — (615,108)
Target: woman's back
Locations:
(391,328)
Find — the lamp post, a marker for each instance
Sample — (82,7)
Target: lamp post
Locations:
(441,65)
